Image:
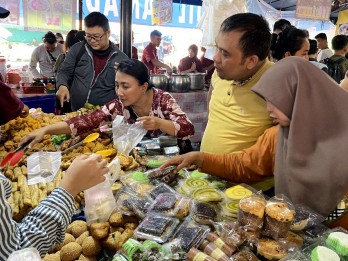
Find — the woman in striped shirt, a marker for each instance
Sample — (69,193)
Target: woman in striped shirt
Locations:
(45,225)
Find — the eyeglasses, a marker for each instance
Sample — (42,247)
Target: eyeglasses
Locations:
(95,38)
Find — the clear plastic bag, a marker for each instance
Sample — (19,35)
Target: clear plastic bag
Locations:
(251,212)
(191,234)
(27,254)
(43,166)
(126,136)
(100,202)
(305,218)
(279,216)
(230,233)
(172,205)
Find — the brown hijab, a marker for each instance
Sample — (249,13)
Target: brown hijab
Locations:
(311,155)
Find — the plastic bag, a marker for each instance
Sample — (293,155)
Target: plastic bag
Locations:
(114,171)
(126,136)
(279,215)
(28,254)
(251,212)
(230,233)
(43,166)
(305,218)
(100,202)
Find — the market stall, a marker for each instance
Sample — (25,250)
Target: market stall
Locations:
(155,214)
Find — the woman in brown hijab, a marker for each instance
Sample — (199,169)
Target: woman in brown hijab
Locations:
(311,152)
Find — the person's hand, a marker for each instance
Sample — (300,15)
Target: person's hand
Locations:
(185,160)
(24,112)
(63,94)
(84,173)
(36,136)
(193,67)
(150,122)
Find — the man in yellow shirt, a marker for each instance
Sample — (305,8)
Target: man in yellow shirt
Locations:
(238,116)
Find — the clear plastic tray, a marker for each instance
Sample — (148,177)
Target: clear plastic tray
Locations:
(172,205)
(191,234)
(156,227)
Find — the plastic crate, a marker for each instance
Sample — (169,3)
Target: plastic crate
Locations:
(29,89)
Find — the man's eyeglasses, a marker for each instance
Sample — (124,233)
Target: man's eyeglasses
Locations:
(95,38)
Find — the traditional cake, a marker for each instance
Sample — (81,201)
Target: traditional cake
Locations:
(191,234)
(238,192)
(270,249)
(203,213)
(251,212)
(321,253)
(278,219)
(339,242)
(244,256)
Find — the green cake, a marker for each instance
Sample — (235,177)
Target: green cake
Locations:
(339,242)
(321,253)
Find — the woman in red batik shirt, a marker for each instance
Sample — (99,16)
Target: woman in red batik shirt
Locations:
(137,101)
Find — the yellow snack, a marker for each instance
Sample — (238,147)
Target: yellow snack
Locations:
(237,192)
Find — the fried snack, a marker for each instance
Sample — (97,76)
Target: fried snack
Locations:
(91,246)
(21,181)
(116,219)
(77,226)
(82,237)
(67,239)
(52,257)
(9,174)
(133,165)
(87,258)
(131,226)
(100,230)
(14,187)
(70,251)
(98,146)
(17,171)
(113,241)
(125,160)
(114,229)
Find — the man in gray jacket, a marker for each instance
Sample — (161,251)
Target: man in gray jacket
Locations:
(46,55)
(88,71)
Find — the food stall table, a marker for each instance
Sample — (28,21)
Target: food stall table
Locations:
(194,104)
(44,101)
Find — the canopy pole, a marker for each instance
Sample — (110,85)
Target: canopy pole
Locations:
(126,27)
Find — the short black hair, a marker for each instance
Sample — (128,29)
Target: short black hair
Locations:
(97,19)
(155,33)
(321,36)
(281,24)
(136,69)
(256,39)
(49,38)
(289,40)
(339,42)
(194,48)
(313,47)
(71,39)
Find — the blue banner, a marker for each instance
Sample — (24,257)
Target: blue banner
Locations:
(183,15)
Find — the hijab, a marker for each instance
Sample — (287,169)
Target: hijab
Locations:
(311,155)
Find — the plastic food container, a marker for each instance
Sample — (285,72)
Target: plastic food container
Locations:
(156,227)
(30,89)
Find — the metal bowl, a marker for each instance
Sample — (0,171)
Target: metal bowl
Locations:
(160,81)
(197,81)
(179,83)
